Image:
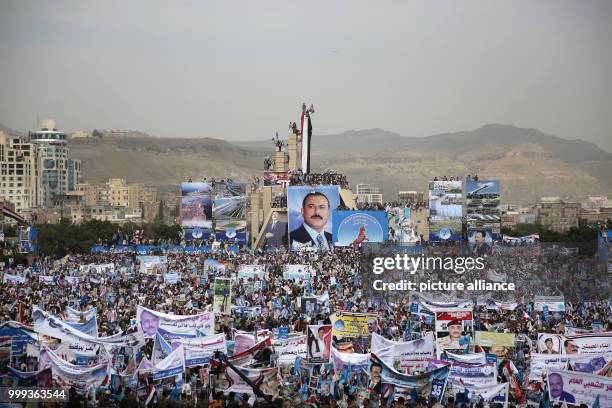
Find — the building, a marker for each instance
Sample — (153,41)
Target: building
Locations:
(19,172)
(81,134)
(411,196)
(557,214)
(368,193)
(119,193)
(58,173)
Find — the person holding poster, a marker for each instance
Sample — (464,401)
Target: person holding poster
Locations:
(319,343)
(555,384)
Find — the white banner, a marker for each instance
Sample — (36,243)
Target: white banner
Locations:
(46,279)
(199,350)
(579,388)
(170,366)
(172,278)
(554,303)
(476,375)
(472,358)
(81,377)
(491,394)
(266,379)
(98,269)
(295,272)
(51,326)
(588,344)
(73,315)
(150,322)
(354,362)
(13,278)
(405,357)
(287,350)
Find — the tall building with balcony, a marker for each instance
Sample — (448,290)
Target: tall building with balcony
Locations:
(18,172)
(58,173)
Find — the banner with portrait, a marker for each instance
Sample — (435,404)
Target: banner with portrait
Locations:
(150,321)
(310,210)
(381,374)
(577,388)
(454,330)
(319,343)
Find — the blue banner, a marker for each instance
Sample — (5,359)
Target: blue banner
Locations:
(351,228)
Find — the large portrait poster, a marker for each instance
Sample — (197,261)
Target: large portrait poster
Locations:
(577,388)
(454,330)
(310,216)
(319,343)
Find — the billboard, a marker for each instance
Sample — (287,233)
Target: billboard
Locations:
(604,243)
(196,205)
(406,225)
(351,228)
(310,211)
(229,211)
(483,205)
(445,210)
(275,234)
(222,299)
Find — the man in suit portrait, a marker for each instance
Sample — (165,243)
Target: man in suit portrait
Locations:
(276,232)
(316,212)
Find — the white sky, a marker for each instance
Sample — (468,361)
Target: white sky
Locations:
(240,70)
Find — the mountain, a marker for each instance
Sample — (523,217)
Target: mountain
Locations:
(529,163)
(6,129)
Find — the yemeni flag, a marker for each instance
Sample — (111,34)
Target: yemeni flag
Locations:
(306,124)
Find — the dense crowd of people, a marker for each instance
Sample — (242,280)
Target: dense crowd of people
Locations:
(341,282)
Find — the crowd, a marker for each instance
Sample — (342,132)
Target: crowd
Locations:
(340,282)
(328,177)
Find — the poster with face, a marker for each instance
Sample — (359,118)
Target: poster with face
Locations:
(319,343)
(454,330)
(310,216)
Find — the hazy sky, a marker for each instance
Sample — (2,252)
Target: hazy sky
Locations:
(240,70)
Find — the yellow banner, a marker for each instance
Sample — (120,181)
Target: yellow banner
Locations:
(353,325)
(489,339)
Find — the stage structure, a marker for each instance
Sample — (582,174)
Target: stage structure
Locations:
(266,195)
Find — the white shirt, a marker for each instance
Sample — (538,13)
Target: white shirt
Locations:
(313,235)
